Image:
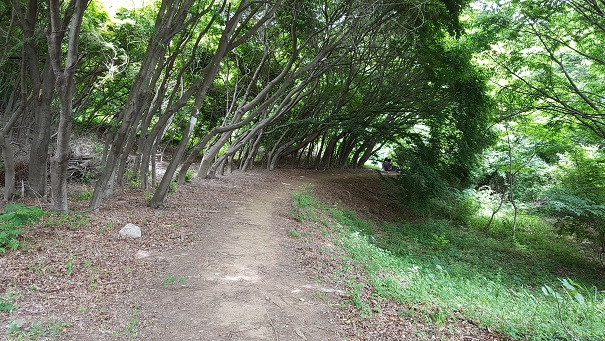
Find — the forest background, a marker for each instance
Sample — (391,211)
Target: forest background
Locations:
(493,110)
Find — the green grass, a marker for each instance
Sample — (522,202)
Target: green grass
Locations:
(36,331)
(535,287)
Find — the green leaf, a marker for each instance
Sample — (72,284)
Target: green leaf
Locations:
(567,285)
(579,298)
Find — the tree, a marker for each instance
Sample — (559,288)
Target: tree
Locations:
(547,51)
(172,18)
(64,78)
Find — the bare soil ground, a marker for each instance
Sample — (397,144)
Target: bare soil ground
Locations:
(218,263)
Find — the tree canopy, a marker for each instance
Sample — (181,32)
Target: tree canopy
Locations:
(235,81)
(506,94)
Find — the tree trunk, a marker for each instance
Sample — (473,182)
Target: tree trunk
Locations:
(330,148)
(320,150)
(211,153)
(366,154)
(252,153)
(42,91)
(9,167)
(65,88)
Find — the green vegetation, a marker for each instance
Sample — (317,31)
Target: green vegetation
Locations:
(131,329)
(11,220)
(36,331)
(535,286)
(170,279)
(8,300)
(71,220)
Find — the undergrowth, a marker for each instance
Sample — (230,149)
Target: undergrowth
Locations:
(533,287)
(12,219)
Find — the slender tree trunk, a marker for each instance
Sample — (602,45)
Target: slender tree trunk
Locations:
(330,148)
(9,167)
(367,154)
(40,94)
(226,44)
(211,153)
(320,150)
(8,122)
(491,219)
(65,89)
(248,164)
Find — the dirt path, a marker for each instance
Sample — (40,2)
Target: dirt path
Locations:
(240,281)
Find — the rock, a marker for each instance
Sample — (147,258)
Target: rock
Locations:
(141,254)
(131,230)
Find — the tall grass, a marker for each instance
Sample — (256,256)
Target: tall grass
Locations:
(535,287)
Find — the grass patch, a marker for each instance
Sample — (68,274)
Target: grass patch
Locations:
(50,330)
(535,287)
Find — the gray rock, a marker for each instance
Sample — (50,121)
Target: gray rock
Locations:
(131,230)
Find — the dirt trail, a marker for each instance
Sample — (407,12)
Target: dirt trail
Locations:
(241,281)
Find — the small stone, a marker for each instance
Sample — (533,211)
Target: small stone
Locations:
(141,254)
(131,230)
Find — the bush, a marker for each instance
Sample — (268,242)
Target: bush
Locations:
(421,187)
(577,201)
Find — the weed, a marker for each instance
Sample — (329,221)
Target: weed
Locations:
(170,279)
(133,178)
(88,177)
(132,326)
(106,227)
(294,233)
(87,264)
(189,176)
(36,331)
(71,220)
(93,283)
(8,300)
(85,194)
(304,204)
(69,265)
(173,187)
(147,196)
(439,240)
(39,268)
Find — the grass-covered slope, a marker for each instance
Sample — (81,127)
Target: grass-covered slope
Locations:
(535,287)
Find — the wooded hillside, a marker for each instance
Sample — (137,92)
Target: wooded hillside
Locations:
(226,84)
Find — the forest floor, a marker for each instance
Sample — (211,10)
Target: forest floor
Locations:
(220,262)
